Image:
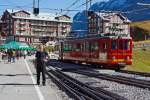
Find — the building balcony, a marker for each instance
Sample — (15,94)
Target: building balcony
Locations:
(39,30)
(43,35)
(22,29)
(64,26)
(33,24)
(22,23)
(64,31)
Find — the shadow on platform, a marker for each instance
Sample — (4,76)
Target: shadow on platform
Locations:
(16,74)
(17,84)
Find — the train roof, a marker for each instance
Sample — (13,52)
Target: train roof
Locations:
(98,36)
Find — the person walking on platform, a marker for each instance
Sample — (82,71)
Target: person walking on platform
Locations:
(25,54)
(9,53)
(41,58)
(13,55)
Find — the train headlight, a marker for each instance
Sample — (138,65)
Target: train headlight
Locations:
(128,58)
(113,58)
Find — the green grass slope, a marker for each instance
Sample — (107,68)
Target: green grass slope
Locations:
(140,30)
(141,61)
(144,25)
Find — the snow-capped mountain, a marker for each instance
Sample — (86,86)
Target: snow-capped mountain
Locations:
(129,8)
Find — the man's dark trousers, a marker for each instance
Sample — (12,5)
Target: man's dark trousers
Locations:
(41,68)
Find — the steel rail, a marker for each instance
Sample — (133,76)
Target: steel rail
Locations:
(102,91)
(136,73)
(96,94)
(123,80)
(71,92)
(76,87)
(91,92)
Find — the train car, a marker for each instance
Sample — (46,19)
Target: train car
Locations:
(107,51)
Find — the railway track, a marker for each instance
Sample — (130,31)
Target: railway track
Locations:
(79,90)
(120,79)
(136,73)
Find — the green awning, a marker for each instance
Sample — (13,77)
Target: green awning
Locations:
(17,46)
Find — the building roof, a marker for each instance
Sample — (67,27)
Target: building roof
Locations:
(108,15)
(40,16)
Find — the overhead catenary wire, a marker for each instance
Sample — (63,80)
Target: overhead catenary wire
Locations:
(77,10)
(54,9)
(88,1)
(73,4)
(67,9)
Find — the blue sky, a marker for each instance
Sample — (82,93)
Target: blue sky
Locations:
(52,4)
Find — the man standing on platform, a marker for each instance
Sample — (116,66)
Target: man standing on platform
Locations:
(41,58)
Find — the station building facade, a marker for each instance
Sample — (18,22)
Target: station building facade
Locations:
(24,26)
(108,23)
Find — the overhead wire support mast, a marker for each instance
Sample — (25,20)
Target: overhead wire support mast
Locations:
(36,8)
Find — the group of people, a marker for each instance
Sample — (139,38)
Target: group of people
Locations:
(11,54)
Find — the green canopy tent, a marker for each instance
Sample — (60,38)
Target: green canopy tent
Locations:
(17,46)
(2,46)
(26,47)
(12,45)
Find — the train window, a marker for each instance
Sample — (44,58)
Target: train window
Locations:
(121,45)
(105,45)
(127,45)
(94,46)
(90,47)
(86,46)
(67,47)
(114,45)
(124,45)
(78,47)
(82,47)
(73,47)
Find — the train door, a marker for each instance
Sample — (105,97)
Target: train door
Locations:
(120,50)
(103,52)
(114,49)
(61,51)
(87,50)
(94,47)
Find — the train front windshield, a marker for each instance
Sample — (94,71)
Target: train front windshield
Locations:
(121,44)
(124,45)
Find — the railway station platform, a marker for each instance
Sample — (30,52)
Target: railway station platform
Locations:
(18,82)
